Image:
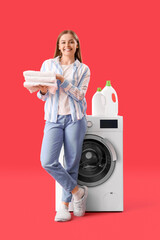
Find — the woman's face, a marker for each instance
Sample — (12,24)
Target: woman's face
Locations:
(67,45)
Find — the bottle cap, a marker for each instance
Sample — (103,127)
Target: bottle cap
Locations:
(98,89)
(108,83)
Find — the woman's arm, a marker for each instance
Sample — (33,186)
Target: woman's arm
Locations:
(42,96)
(43,93)
(77,93)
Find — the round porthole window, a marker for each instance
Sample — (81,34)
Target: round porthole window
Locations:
(96,164)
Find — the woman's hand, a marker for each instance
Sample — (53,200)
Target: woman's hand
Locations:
(60,77)
(43,89)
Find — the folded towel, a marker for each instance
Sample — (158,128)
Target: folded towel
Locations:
(38,74)
(40,79)
(34,86)
(35,78)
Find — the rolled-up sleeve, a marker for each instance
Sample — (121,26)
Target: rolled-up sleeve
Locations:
(77,93)
(43,97)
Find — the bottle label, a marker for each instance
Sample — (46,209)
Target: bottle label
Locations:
(113,97)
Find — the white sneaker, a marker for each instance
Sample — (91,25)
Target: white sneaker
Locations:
(79,207)
(62,215)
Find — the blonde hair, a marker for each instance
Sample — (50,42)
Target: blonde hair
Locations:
(78,50)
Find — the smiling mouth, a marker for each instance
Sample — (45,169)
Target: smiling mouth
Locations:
(67,50)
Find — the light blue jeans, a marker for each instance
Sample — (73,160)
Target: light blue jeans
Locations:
(72,135)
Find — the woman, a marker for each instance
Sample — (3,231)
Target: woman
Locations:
(65,115)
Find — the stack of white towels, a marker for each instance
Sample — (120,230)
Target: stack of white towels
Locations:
(35,78)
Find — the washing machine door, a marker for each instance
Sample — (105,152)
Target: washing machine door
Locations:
(97,162)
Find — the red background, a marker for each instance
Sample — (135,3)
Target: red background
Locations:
(119,42)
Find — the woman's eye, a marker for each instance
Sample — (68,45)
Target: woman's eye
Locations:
(69,42)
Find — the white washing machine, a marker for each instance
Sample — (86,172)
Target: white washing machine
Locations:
(101,165)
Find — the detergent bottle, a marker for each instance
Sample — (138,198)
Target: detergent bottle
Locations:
(111,104)
(98,103)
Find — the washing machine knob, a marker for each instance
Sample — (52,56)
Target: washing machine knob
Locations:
(89,124)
